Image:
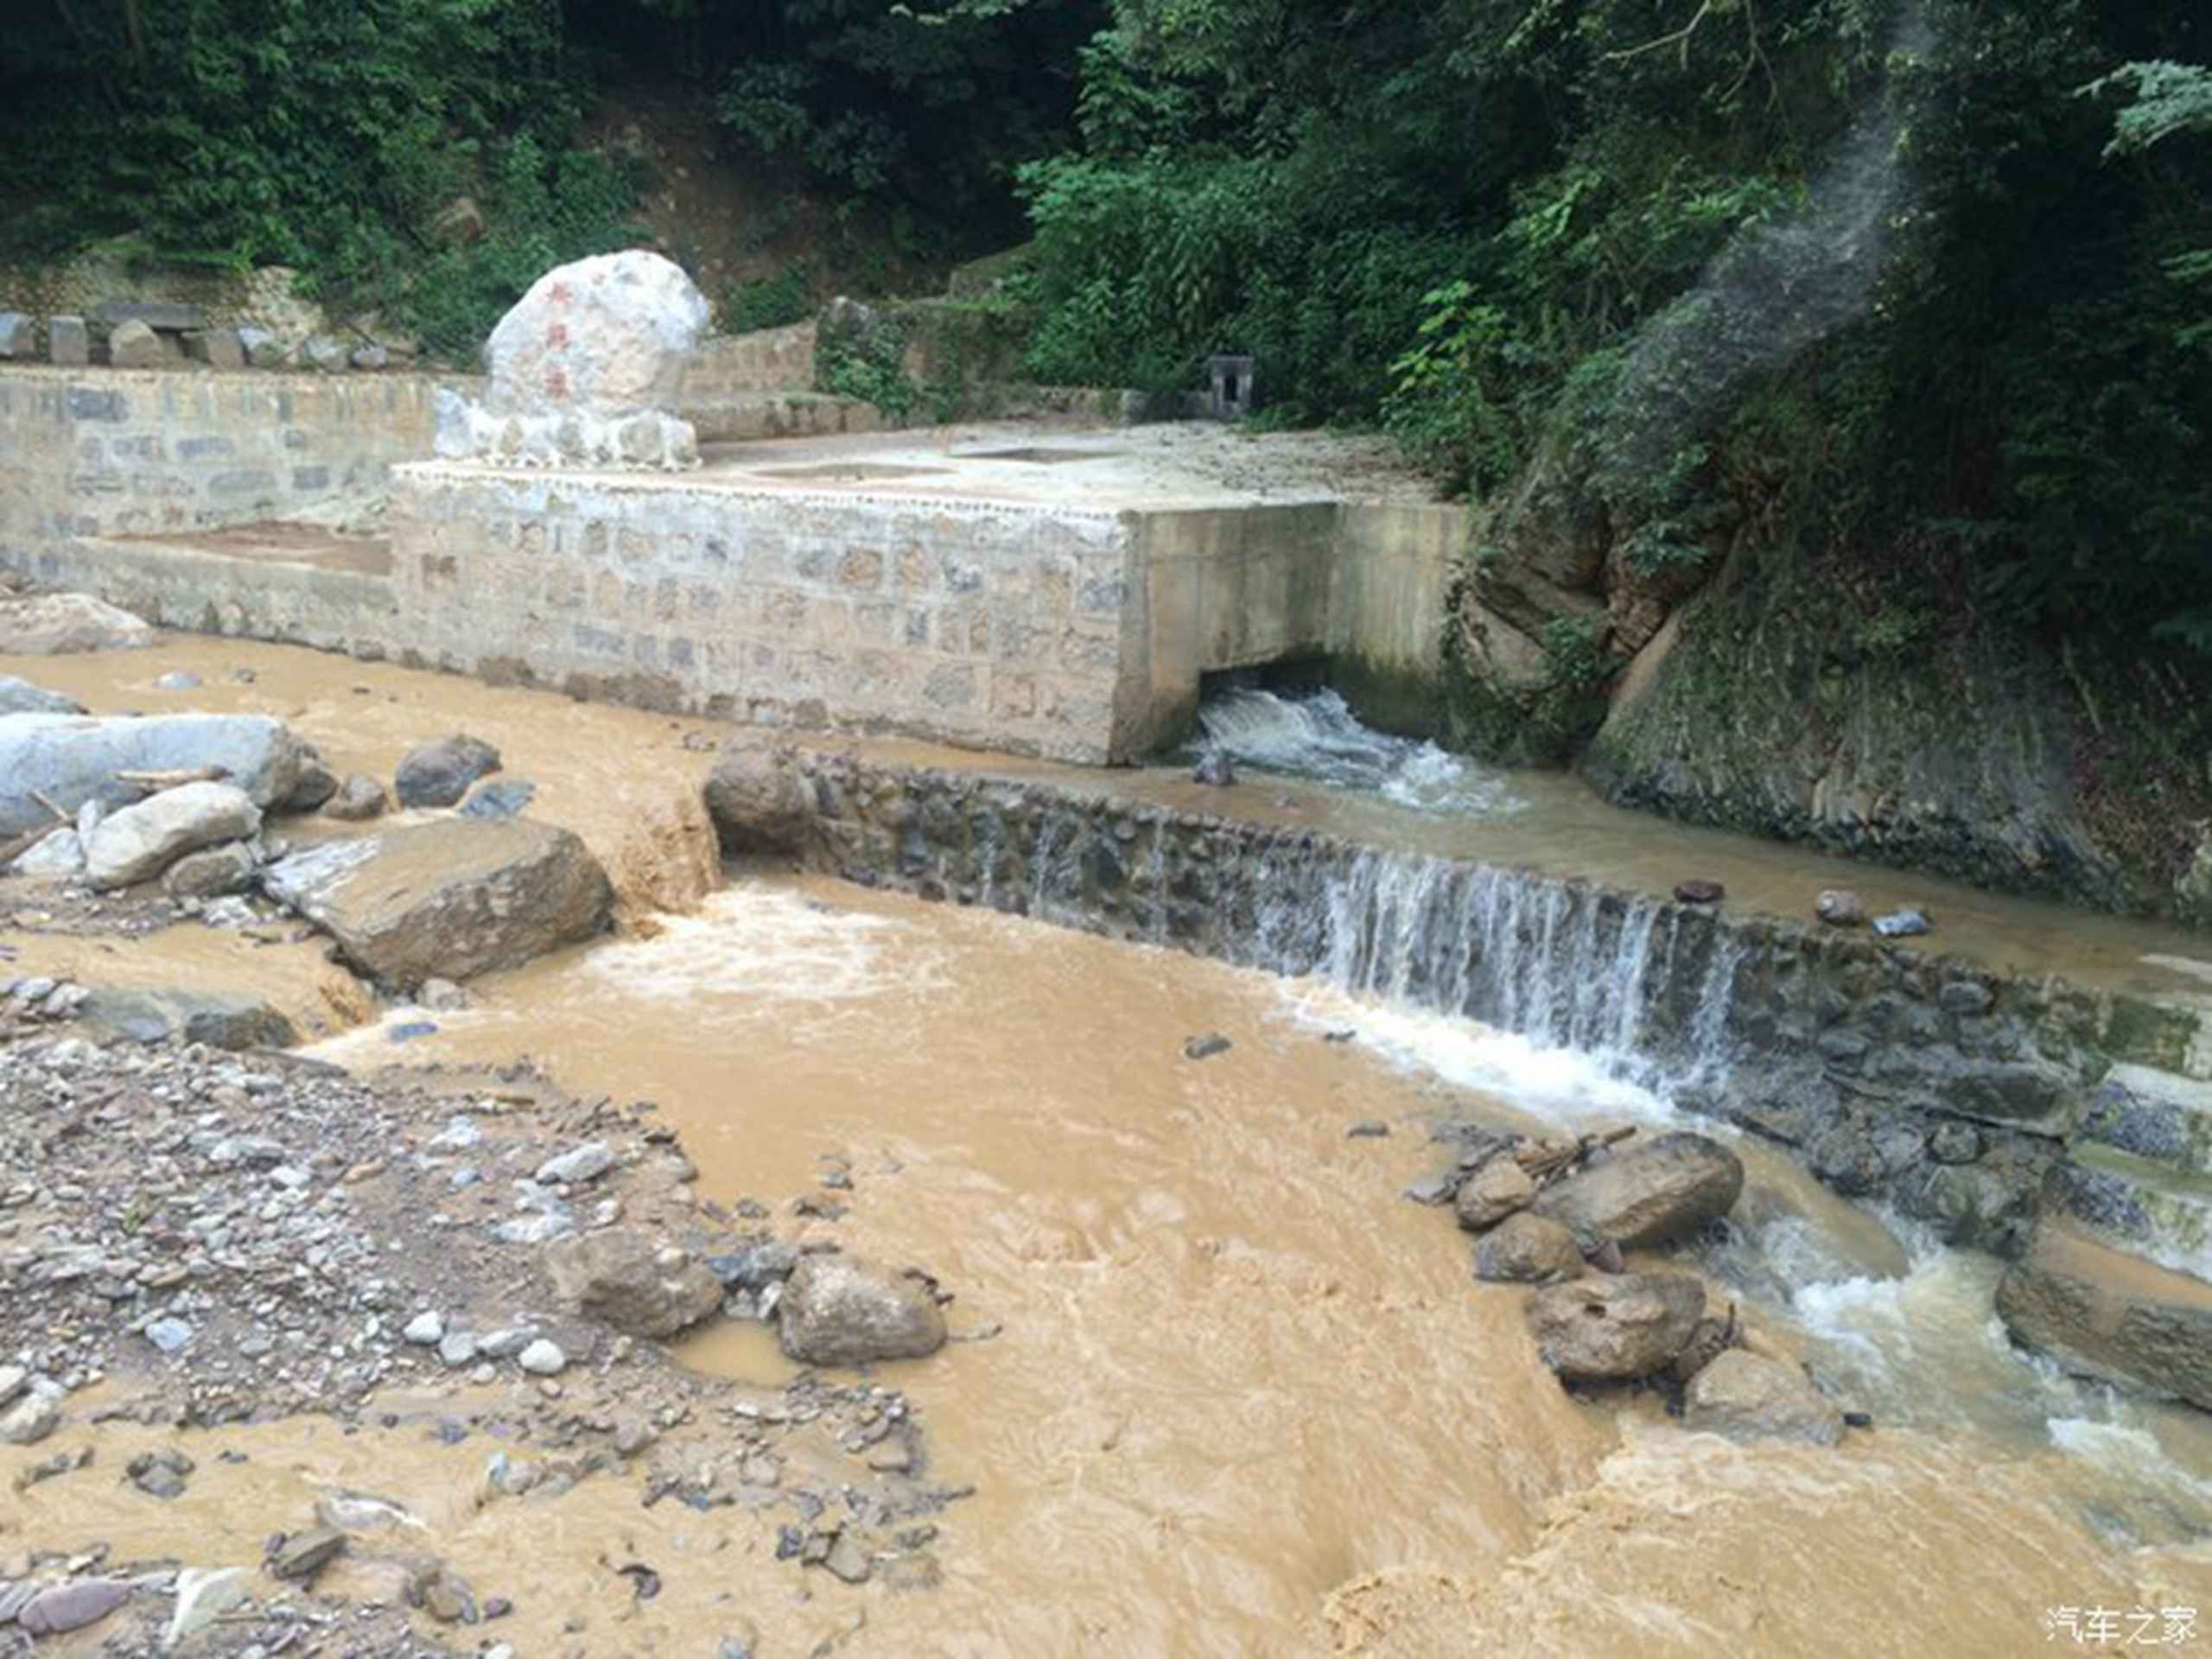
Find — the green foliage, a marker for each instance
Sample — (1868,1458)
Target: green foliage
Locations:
(770,302)
(324,136)
(2169,98)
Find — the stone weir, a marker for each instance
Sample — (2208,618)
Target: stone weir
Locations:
(1957,1093)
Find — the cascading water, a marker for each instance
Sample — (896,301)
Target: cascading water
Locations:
(1318,737)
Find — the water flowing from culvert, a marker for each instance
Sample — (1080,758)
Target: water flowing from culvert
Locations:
(1316,737)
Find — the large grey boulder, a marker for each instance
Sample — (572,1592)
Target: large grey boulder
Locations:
(1618,1328)
(139,842)
(20,697)
(627,1278)
(438,774)
(212,873)
(55,625)
(1659,1190)
(448,899)
(586,370)
(219,1018)
(758,800)
(71,759)
(1745,1396)
(837,1309)
(1528,1249)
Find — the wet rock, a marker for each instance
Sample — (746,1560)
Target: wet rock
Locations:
(177,679)
(583,1163)
(1660,1190)
(1434,1189)
(448,899)
(758,801)
(849,1558)
(447,1598)
(1700,892)
(1368,1128)
(212,873)
(159,1474)
(628,1279)
(1954,1143)
(426,1329)
(1494,1191)
(71,1606)
(1215,767)
(203,1595)
(139,842)
(498,797)
(442,996)
(33,1417)
(299,1556)
(439,774)
(217,1019)
(837,1309)
(358,798)
(1745,1396)
(21,697)
(1901,924)
(1204,1048)
(1615,1329)
(1840,908)
(2102,1313)
(543,1357)
(73,759)
(1528,1249)
(314,784)
(55,858)
(57,624)
(756,1267)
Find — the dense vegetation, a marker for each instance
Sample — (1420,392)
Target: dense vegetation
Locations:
(1930,280)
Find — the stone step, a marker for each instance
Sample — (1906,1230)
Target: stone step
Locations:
(746,417)
(2109,1314)
(2146,1209)
(2159,1115)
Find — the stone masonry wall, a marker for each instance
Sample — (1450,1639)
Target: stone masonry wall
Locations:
(1934,1083)
(109,452)
(971,621)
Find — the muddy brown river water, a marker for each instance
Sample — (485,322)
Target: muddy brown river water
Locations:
(1220,1389)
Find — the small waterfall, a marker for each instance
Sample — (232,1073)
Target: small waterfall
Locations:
(1318,737)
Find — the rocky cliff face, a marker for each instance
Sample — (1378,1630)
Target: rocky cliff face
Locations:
(1782,696)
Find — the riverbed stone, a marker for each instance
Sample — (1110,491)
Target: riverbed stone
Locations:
(226,1019)
(630,1280)
(141,842)
(758,801)
(447,900)
(65,1607)
(300,1556)
(71,759)
(1746,1396)
(840,1310)
(1528,1249)
(357,799)
(212,873)
(19,696)
(1660,1190)
(439,774)
(1617,1328)
(1494,1191)
(35,1414)
(58,625)
(53,857)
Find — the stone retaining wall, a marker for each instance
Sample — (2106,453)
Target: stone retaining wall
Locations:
(134,453)
(1934,1083)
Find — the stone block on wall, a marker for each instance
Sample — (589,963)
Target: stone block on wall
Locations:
(69,343)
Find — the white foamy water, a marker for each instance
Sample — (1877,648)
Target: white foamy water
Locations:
(1318,737)
(1562,1086)
(766,943)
